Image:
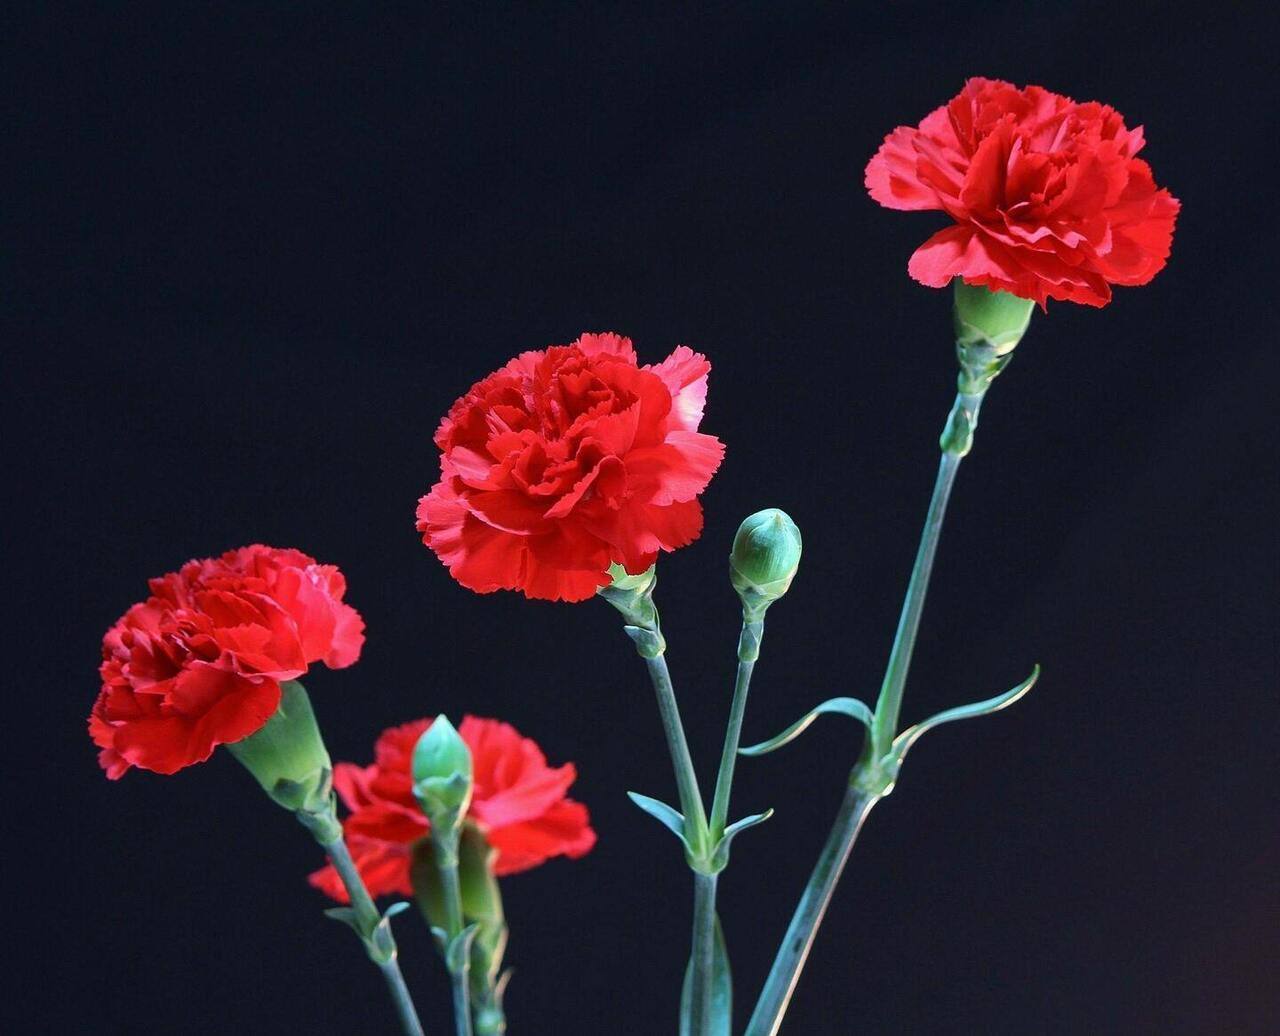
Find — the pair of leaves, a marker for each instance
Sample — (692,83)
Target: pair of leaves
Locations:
(859,710)
(673,820)
(456,951)
(377,938)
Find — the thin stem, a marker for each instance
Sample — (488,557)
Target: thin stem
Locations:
(371,921)
(445,843)
(400,996)
(869,782)
(748,650)
(452,889)
(681,760)
(889,703)
(704,885)
(794,951)
(461,1002)
(703,953)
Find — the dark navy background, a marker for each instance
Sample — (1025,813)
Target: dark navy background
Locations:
(251,256)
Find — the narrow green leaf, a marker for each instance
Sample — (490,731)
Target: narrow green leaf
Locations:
(346,916)
(457,957)
(721,990)
(852,707)
(911,735)
(720,856)
(669,818)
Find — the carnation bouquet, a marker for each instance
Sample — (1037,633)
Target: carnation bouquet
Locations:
(566,475)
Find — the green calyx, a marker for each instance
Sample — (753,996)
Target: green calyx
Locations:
(442,774)
(622,580)
(765,558)
(986,317)
(632,596)
(287,756)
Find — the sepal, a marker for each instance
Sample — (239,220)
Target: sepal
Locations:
(632,596)
(287,756)
(852,707)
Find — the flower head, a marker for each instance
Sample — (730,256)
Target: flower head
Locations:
(1048,198)
(567,460)
(518,802)
(200,662)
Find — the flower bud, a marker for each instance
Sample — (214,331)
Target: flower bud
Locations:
(765,556)
(442,778)
(287,755)
(992,318)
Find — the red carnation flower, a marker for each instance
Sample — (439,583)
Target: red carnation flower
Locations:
(566,460)
(1047,196)
(518,801)
(199,663)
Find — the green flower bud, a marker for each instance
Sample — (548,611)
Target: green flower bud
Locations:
(287,755)
(990,318)
(765,557)
(442,778)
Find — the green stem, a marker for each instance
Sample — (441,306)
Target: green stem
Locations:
(382,951)
(793,952)
(748,652)
(644,628)
(681,760)
(704,884)
(445,844)
(869,781)
(889,703)
(703,953)
(461,1002)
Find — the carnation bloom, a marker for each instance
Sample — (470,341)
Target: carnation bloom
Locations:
(199,663)
(1048,198)
(518,802)
(566,460)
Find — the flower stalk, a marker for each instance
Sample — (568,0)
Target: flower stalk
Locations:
(288,758)
(635,602)
(373,928)
(443,784)
(988,326)
(444,844)
(748,651)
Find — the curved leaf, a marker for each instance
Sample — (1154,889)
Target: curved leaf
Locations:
(669,818)
(852,707)
(720,855)
(911,735)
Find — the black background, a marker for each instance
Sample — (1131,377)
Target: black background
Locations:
(252,257)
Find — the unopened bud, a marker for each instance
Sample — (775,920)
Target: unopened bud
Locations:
(442,777)
(765,557)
